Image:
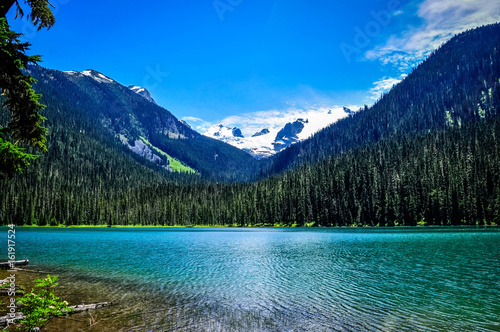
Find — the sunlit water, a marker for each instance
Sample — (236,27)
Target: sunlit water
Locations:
(280,279)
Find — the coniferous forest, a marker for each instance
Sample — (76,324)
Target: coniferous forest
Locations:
(427,153)
(442,178)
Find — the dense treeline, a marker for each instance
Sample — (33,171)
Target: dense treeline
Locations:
(82,160)
(457,83)
(427,152)
(447,177)
(108,111)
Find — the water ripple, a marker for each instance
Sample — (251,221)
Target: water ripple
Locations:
(292,280)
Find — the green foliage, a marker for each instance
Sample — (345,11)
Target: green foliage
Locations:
(445,178)
(449,119)
(38,308)
(13,159)
(53,222)
(20,99)
(388,174)
(41,15)
(174,163)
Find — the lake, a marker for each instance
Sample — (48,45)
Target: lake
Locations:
(362,279)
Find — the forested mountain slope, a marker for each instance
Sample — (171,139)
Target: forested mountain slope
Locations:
(459,82)
(449,177)
(90,102)
(428,152)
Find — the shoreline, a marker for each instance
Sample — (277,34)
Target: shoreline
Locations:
(259,226)
(76,292)
(144,305)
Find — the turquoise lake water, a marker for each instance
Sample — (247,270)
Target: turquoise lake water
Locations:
(401,279)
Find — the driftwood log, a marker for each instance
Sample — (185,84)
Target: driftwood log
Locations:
(9,265)
(76,309)
(86,307)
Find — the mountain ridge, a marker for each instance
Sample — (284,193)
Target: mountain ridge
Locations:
(269,141)
(427,153)
(446,89)
(132,121)
(142,92)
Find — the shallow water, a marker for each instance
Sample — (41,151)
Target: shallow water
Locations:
(401,279)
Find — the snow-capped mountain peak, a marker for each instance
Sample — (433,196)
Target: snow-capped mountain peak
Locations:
(267,142)
(221,132)
(289,134)
(257,146)
(262,132)
(142,92)
(101,78)
(348,111)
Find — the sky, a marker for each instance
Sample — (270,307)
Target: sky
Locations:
(252,63)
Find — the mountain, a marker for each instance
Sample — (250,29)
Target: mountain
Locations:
(289,134)
(427,153)
(130,121)
(262,132)
(457,83)
(347,111)
(142,92)
(268,142)
(257,146)
(219,131)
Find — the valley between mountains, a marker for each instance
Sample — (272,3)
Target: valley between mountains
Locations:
(426,153)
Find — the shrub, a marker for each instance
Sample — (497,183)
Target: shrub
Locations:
(38,308)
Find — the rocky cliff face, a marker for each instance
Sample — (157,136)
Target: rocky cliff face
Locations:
(289,134)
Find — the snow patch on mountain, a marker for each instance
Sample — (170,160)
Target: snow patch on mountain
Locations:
(97,76)
(142,92)
(270,141)
(262,132)
(259,146)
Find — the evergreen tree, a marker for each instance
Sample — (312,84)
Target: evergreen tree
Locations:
(25,125)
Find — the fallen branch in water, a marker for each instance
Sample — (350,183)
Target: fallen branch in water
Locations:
(12,264)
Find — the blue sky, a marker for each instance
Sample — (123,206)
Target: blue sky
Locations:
(225,61)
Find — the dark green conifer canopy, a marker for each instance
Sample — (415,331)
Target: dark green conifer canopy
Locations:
(18,97)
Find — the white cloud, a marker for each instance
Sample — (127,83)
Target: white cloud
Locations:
(250,123)
(384,85)
(191,118)
(198,124)
(441,20)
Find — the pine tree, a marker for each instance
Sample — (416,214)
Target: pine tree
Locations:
(25,125)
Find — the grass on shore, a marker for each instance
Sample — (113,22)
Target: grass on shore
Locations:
(311,225)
